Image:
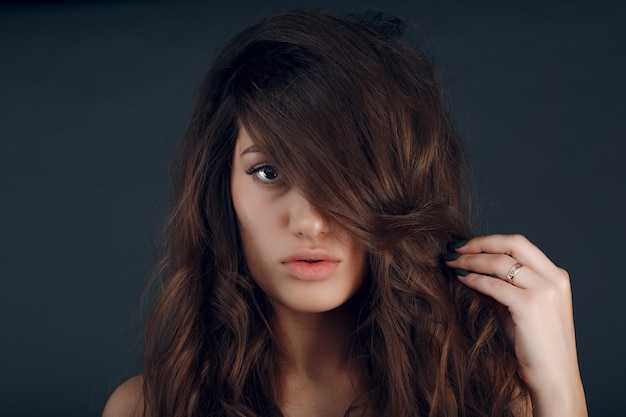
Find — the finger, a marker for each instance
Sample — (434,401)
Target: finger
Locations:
(498,265)
(502,292)
(516,246)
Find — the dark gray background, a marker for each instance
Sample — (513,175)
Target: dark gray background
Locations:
(93,97)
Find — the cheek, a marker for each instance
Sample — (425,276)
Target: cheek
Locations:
(256,236)
(258,218)
(254,215)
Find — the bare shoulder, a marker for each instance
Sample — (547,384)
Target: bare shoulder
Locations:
(126,400)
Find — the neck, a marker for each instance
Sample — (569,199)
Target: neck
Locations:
(316,373)
(314,346)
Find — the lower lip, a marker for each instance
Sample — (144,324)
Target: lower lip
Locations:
(311,271)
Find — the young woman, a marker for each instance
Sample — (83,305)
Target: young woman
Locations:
(318,261)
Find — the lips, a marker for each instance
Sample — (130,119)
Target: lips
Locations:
(310,264)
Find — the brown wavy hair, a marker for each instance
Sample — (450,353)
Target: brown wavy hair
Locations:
(354,116)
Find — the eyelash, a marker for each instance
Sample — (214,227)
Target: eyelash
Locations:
(257,169)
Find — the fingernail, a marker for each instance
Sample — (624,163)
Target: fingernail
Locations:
(461,272)
(451,256)
(458,243)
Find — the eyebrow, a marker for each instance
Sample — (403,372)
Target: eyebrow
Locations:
(250,149)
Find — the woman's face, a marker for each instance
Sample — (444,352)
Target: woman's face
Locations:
(298,259)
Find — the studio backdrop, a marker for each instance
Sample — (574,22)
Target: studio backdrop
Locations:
(94,96)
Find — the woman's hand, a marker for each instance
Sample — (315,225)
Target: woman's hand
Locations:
(535,308)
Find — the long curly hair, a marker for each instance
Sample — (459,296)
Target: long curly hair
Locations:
(355,117)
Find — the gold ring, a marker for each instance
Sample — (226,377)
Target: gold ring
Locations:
(512,272)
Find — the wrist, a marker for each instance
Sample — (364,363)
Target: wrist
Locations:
(567,400)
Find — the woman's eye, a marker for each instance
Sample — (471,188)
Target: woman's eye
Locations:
(264,173)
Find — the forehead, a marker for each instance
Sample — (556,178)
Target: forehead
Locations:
(244,141)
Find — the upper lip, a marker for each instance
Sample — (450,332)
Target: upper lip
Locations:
(310,254)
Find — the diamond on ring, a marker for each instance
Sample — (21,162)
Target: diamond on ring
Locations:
(513,271)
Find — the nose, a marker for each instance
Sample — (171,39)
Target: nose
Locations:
(305,221)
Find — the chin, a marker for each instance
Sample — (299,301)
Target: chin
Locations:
(312,303)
